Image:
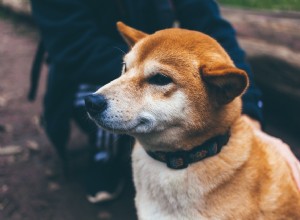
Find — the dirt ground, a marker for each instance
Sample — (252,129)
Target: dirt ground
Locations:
(32,186)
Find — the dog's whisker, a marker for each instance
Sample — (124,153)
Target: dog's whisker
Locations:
(120,50)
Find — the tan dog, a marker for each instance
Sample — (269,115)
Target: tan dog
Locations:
(179,89)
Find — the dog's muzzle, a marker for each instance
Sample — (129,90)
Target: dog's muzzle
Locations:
(95,104)
(99,110)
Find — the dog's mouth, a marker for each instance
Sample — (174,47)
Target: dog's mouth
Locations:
(134,126)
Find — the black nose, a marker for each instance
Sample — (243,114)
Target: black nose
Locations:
(95,104)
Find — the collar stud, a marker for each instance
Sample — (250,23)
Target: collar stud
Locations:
(177,160)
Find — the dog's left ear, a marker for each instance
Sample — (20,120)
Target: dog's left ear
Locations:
(226,82)
(130,35)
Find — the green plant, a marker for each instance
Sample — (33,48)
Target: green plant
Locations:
(264,4)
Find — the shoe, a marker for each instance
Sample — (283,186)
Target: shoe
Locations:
(104,181)
(105,195)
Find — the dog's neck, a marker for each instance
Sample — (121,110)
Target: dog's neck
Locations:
(198,180)
(178,140)
(182,159)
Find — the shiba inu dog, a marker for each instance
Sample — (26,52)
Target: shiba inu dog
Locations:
(195,156)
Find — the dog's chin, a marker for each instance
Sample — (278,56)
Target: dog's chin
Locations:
(134,127)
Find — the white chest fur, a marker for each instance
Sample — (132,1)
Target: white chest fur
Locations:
(163,193)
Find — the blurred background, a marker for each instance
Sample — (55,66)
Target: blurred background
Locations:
(32,185)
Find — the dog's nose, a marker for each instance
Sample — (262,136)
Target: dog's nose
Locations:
(95,104)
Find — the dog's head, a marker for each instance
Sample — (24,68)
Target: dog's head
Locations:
(177,89)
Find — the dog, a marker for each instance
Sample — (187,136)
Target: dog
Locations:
(195,156)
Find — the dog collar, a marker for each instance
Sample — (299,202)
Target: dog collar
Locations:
(182,159)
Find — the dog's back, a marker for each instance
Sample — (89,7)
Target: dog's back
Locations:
(279,195)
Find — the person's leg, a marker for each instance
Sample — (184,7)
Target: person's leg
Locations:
(104,180)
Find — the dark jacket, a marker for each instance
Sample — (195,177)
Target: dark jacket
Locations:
(84,46)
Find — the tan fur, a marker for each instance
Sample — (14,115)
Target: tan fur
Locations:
(246,180)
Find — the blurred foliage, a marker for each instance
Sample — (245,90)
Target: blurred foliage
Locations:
(293,5)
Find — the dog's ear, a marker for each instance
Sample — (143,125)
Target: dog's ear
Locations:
(226,82)
(130,35)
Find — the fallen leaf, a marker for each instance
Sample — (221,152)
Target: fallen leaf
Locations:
(3,101)
(32,145)
(53,186)
(10,149)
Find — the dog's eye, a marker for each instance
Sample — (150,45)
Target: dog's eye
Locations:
(124,67)
(160,79)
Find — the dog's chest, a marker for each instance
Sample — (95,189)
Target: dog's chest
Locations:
(163,193)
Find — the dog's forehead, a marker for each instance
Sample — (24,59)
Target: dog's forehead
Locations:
(169,65)
(182,50)
(131,57)
(159,50)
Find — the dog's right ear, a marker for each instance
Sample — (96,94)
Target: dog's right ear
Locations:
(227,82)
(130,35)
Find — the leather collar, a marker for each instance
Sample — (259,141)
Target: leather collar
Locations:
(182,159)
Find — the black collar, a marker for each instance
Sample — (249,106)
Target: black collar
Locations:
(182,159)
